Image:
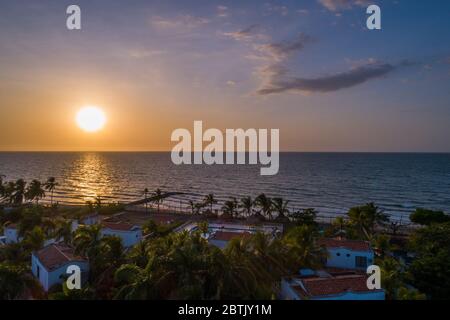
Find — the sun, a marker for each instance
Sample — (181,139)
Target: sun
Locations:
(91,119)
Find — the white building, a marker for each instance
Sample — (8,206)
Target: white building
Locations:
(87,221)
(329,286)
(220,233)
(130,234)
(49,265)
(11,234)
(348,254)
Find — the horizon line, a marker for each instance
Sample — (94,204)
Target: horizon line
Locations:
(169,151)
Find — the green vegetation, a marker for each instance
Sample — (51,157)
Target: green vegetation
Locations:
(168,265)
(427,217)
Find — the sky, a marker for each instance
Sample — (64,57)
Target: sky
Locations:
(311,69)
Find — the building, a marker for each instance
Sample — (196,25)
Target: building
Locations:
(220,233)
(11,233)
(49,265)
(90,219)
(87,221)
(348,254)
(130,234)
(329,285)
(220,239)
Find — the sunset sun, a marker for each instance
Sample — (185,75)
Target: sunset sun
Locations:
(91,119)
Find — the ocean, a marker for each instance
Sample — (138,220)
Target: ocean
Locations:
(329,182)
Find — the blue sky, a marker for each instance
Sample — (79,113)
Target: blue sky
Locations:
(309,68)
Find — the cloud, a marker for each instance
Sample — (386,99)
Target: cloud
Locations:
(277,82)
(179,22)
(281,50)
(335,5)
(244,34)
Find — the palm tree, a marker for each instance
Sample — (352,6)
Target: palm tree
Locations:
(302,248)
(145,197)
(35,191)
(34,239)
(281,207)
(210,201)
(192,206)
(90,206)
(18,191)
(87,239)
(199,207)
(135,282)
(265,204)
(64,231)
(2,187)
(382,244)
(158,198)
(246,204)
(8,191)
(366,218)
(139,254)
(51,185)
(229,207)
(13,281)
(339,223)
(98,202)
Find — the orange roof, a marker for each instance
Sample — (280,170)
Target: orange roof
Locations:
(355,245)
(11,225)
(56,255)
(315,287)
(120,226)
(227,235)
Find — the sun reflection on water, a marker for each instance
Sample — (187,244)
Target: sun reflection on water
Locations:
(91,176)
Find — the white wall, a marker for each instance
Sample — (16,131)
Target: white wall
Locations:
(344,258)
(48,279)
(12,235)
(129,238)
(286,291)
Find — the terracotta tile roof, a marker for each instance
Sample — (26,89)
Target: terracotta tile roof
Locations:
(119,225)
(227,235)
(316,287)
(11,225)
(355,245)
(56,255)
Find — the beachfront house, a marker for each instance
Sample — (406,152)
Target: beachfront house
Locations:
(128,233)
(49,265)
(323,285)
(221,233)
(348,254)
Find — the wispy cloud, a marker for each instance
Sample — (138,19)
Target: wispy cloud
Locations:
(279,51)
(246,34)
(335,5)
(178,22)
(279,82)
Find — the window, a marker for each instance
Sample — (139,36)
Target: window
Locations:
(361,262)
